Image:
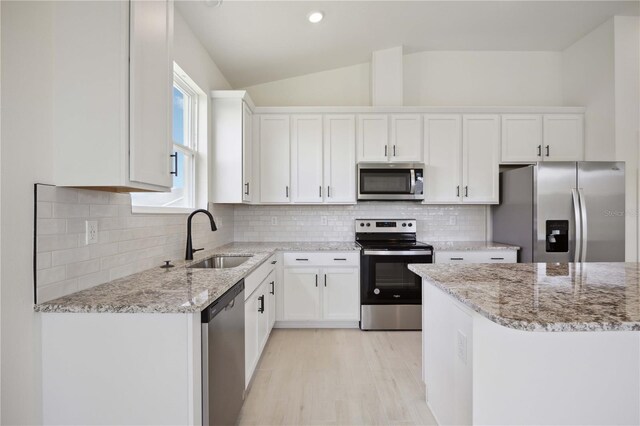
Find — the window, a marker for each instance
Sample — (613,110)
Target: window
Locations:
(186,131)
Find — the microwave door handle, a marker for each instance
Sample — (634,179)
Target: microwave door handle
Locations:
(412,190)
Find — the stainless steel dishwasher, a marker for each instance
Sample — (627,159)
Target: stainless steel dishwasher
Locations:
(223,358)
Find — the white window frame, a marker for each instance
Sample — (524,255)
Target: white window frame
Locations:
(191,149)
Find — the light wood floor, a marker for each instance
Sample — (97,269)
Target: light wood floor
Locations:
(338,377)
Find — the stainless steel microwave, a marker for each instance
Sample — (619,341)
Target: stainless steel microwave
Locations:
(391,181)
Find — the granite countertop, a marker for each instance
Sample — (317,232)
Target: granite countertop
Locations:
(471,246)
(179,289)
(545,296)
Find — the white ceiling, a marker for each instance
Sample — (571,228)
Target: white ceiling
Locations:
(259,41)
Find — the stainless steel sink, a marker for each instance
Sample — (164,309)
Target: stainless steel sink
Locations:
(221,262)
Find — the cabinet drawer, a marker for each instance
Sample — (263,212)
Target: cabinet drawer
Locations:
(322,259)
(253,280)
(490,256)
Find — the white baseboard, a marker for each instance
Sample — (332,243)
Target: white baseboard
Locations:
(317,324)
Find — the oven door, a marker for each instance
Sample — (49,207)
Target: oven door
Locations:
(389,183)
(386,280)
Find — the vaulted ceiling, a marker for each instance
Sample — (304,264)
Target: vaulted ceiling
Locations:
(258,41)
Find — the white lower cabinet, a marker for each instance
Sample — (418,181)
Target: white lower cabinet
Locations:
(259,315)
(485,256)
(320,288)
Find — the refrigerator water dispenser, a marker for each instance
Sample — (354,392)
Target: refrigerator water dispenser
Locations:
(557,236)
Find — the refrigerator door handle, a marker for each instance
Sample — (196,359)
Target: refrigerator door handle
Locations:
(578,224)
(583,212)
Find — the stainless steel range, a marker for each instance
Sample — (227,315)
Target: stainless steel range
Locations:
(390,294)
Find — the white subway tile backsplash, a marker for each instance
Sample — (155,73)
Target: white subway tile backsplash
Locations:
(127,243)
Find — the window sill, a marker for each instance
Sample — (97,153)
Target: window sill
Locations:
(161,210)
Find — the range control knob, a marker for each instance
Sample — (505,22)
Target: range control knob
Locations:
(410,225)
(376,291)
(404,224)
(368,224)
(362,224)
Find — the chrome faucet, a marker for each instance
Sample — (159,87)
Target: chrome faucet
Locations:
(190,249)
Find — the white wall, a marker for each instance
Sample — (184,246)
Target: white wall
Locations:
(588,80)
(431,78)
(627,117)
(348,86)
(26,152)
(482,78)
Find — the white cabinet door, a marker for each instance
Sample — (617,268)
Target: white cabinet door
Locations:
(341,294)
(563,137)
(301,294)
(247,152)
(263,315)
(251,352)
(271,298)
(274,158)
(443,142)
(339,159)
(480,158)
(150,88)
(373,137)
(406,138)
(521,138)
(306,158)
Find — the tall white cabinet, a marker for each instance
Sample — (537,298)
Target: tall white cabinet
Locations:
(112,127)
(339,158)
(306,158)
(275,150)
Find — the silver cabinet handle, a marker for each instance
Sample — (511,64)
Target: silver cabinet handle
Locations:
(247,190)
(261,307)
(539,150)
(547,148)
(273,287)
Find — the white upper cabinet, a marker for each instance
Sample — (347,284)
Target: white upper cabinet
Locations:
(230,150)
(306,159)
(373,138)
(462,159)
(563,137)
(406,138)
(113,74)
(521,138)
(527,138)
(481,158)
(390,138)
(247,153)
(443,153)
(274,159)
(339,159)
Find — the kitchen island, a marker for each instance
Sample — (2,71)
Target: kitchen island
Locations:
(532,343)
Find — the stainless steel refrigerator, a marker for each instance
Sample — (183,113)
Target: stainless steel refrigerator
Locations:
(563,211)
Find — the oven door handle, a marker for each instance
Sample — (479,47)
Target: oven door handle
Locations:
(397,252)
(412,190)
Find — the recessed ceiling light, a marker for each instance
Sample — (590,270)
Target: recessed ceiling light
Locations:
(315,17)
